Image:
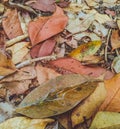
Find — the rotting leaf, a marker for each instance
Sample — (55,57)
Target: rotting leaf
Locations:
(11,24)
(25,123)
(86,49)
(106,120)
(6,65)
(54,96)
(46,27)
(89,106)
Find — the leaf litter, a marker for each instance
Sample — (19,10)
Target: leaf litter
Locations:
(59,60)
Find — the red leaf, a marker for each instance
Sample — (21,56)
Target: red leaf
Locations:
(75,66)
(44,49)
(11,24)
(46,27)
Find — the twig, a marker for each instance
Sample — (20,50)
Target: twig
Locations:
(107,42)
(15,40)
(28,62)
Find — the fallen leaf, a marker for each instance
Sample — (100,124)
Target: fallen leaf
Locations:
(24,73)
(11,24)
(44,49)
(113,87)
(89,106)
(54,96)
(115,39)
(106,120)
(43,5)
(6,65)
(61,103)
(19,50)
(46,27)
(74,66)
(84,50)
(118,23)
(25,123)
(45,74)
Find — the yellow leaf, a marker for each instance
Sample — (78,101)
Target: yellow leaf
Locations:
(6,65)
(86,49)
(25,123)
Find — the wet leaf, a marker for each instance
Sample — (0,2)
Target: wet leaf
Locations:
(115,39)
(19,50)
(46,27)
(43,5)
(111,102)
(6,65)
(54,96)
(89,106)
(86,49)
(106,120)
(61,66)
(25,123)
(11,24)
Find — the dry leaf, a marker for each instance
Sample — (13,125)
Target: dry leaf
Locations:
(46,27)
(74,66)
(106,120)
(19,51)
(89,106)
(118,23)
(6,65)
(44,49)
(25,123)
(113,87)
(86,49)
(11,24)
(115,39)
(45,74)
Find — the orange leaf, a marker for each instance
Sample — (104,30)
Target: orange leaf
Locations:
(74,66)
(112,101)
(6,65)
(46,27)
(115,39)
(11,24)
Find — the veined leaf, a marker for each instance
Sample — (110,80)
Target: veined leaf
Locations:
(56,96)
(85,50)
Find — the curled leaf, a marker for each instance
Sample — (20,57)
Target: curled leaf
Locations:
(85,50)
(46,27)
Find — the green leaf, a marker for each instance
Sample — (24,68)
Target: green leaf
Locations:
(85,50)
(106,120)
(57,96)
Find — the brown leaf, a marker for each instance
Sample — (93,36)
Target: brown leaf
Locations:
(44,49)
(46,27)
(45,74)
(75,66)
(115,39)
(111,102)
(11,24)
(44,5)
(6,64)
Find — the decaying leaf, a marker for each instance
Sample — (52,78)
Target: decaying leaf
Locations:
(46,27)
(113,87)
(86,49)
(89,106)
(11,24)
(61,65)
(115,39)
(106,120)
(25,123)
(6,65)
(19,50)
(54,96)
(45,74)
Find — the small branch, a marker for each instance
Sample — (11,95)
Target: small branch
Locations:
(28,62)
